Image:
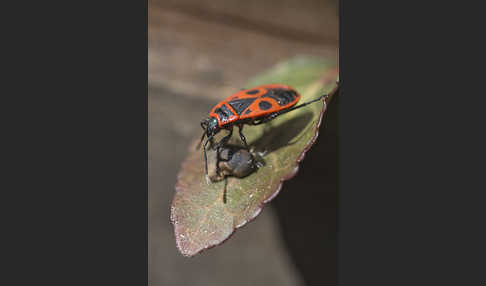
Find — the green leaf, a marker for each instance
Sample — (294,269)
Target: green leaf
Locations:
(201,217)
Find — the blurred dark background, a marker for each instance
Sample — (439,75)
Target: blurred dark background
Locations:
(199,52)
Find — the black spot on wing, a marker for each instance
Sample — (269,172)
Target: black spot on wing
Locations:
(248,111)
(264,105)
(253,91)
(282,96)
(239,105)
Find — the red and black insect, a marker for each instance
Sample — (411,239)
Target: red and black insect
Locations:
(249,106)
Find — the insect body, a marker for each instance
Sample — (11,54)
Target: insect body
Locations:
(249,106)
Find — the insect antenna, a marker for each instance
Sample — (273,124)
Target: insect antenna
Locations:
(204,126)
(202,138)
(205,156)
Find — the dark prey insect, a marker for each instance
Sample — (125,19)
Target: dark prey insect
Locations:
(249,106)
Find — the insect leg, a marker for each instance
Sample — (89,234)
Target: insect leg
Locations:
(302,105)
(225,139)
(242,137)
(273,115)
(266,119)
